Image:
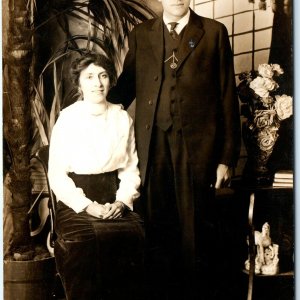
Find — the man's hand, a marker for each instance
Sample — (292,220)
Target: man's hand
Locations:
(223,176)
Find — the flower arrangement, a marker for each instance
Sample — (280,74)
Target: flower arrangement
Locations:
(261,105)
(264,110)
(257,90)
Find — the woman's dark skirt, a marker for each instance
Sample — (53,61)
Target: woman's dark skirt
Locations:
(99,259)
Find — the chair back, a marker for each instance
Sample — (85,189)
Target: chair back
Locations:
(42,155)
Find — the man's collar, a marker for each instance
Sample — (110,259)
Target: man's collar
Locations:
(181,23)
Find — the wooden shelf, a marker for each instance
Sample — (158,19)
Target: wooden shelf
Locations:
(279,196)
(283,274)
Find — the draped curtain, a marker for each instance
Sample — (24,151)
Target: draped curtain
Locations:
(281,52)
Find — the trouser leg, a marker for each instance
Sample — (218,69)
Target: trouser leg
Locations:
(169,221)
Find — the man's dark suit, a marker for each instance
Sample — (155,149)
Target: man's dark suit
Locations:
(209,123)
(205,87)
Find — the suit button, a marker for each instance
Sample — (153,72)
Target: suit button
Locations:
(150,102)
(155,78)
(147,126)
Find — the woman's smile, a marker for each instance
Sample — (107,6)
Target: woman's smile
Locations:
(94,83)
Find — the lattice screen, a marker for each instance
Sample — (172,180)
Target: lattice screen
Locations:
(249,28)
(250,31)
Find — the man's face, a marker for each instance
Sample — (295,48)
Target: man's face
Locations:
(175,9)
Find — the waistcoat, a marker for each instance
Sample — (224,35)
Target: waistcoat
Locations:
(167,107)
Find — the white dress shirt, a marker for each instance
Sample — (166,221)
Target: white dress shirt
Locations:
(181,23)
(86,142)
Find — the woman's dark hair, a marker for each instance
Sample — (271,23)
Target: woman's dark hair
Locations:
(100,60)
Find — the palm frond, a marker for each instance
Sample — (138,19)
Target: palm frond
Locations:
(39,124)
(106,25)
(40,118)
(55,108)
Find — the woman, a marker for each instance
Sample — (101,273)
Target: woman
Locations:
(94,175)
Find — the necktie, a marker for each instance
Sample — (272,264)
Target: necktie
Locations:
(173,33)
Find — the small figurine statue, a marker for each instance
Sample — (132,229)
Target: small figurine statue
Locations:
(271,266)
(258,265)
(262,240)
(266,260)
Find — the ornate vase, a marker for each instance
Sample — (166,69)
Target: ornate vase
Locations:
(259,142)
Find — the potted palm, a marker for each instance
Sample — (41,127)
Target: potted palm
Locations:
(30,112)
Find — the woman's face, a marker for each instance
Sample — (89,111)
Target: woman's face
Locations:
(94,83)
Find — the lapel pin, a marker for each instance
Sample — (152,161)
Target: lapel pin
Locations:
(192,44)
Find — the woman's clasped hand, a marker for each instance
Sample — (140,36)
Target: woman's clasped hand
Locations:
(106,211)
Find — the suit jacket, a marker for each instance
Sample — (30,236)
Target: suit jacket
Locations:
(205,91)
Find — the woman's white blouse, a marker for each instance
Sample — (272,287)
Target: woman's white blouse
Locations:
(86,143)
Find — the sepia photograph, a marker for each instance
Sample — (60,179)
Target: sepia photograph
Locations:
(148,149)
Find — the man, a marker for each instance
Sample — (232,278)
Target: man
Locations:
(180,69)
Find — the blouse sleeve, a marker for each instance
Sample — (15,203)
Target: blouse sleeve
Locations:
(62,185)
(129,175)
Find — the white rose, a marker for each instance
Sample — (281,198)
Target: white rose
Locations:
(262,86)
(277,69)
(258,85)
(270,84)
(284,106)
(265,70)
